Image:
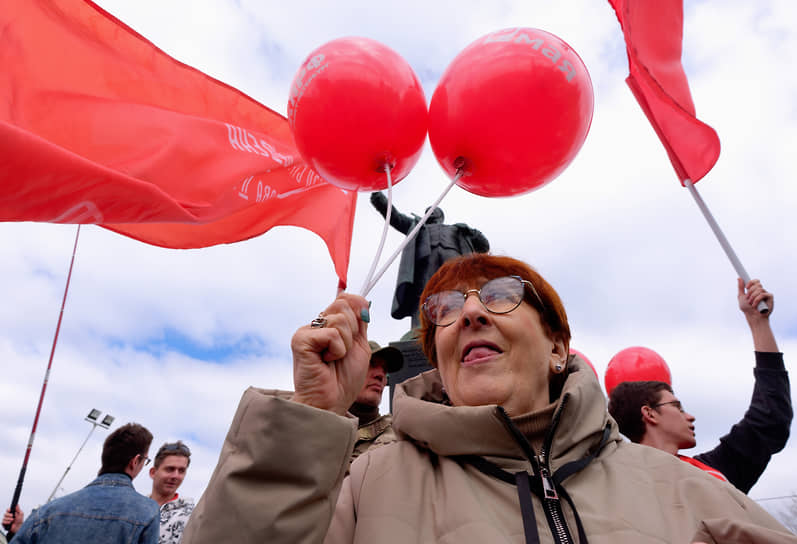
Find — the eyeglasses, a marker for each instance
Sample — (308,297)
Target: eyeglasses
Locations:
(498,296)
(676,403)
(145,459)
(176,446)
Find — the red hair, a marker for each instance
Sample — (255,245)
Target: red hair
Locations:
(475,266)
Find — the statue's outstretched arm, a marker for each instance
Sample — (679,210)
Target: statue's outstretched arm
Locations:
(398,220)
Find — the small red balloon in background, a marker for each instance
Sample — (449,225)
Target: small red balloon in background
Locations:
(512,109)
(584,358)
(636,364)
(356,106)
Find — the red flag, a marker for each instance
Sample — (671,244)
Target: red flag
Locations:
(653,32)
(100,126)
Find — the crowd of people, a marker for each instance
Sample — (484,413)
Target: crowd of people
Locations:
(508,439)
(109,509)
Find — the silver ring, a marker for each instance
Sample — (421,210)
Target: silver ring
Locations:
(319,322)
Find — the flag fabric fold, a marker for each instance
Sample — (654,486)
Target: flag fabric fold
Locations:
(100,126)
(653,32)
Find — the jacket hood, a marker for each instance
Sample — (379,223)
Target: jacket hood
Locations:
(420,414)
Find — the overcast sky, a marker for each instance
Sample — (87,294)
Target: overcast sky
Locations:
(171,338)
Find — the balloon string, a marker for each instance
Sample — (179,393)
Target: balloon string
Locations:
(364,289)
(412,233)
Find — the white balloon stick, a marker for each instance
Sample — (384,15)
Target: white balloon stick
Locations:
(364,289)
(412,233)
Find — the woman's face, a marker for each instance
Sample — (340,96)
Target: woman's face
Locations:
(504,359)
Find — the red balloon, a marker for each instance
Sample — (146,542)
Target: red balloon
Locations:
(512,110)
(584,358)
(636,364)
(356,106)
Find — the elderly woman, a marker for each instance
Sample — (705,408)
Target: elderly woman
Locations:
(508,440)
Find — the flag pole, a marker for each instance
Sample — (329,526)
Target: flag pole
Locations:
(726,246)
(18,490)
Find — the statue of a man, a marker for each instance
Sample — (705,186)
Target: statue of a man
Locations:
(434,244)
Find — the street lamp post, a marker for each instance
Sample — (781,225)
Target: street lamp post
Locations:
(92,418)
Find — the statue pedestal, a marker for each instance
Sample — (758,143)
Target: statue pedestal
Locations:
(415,362)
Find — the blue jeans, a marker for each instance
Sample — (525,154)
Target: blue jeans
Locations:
(107,511)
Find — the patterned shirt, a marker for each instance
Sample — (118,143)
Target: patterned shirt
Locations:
(174,516)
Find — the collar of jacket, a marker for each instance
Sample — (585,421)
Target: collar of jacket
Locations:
(371,430)
(419,415)
(112,479)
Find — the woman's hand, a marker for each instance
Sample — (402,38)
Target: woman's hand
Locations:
(330,363)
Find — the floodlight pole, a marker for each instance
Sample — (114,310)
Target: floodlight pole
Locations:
(94,425)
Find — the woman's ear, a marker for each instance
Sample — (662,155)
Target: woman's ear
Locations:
(559,354)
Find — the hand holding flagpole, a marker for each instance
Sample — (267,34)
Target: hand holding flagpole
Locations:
(29,447)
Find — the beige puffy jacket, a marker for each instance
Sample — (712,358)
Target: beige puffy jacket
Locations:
(280,479)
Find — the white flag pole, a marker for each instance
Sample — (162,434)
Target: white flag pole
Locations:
(726,246)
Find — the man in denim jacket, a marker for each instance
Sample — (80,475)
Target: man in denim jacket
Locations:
(108,510)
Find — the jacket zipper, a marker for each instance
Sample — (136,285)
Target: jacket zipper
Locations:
(550,504)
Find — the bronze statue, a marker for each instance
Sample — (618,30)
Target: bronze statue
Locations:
(434,244)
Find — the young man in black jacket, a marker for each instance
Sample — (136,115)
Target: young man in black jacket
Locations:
(649,413)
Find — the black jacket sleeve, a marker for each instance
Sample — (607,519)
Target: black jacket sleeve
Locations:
(743,453)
